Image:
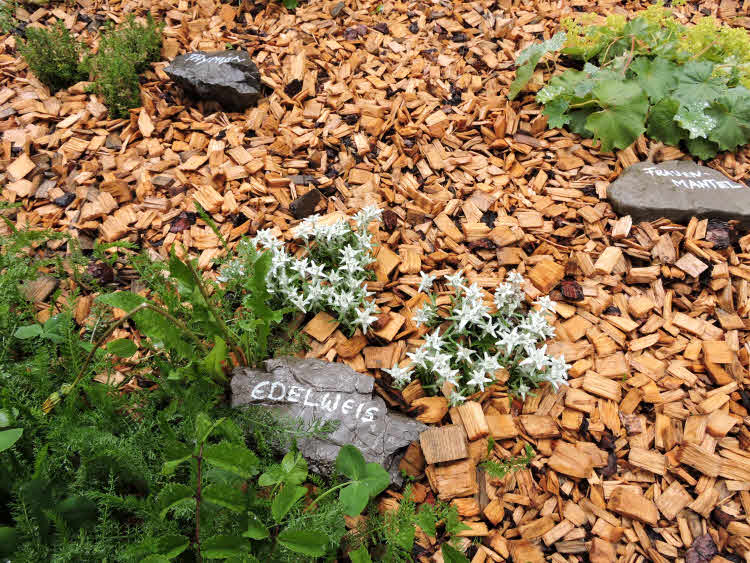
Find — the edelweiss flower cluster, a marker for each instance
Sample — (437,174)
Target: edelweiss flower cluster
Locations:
(330,278)
(478,343)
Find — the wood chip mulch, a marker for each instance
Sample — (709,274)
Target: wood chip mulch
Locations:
(645,455)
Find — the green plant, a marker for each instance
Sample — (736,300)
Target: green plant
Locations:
(8,16)
(123,53)
(682,85)
(391,535)
(53,55)
(501,468)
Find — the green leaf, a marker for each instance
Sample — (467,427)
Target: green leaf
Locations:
(530,57)
(556,110)
(306,543)
(427,520)
(172,496)
(452,555)
(702,148)
(231,457)
(623,114)
(662,125)
(226,496)
(125,300)
(155,559)
(285,499)
(292,471)
(376,478)
(256,530)
(350,462)
(171,546)
(180,272)
(8,541)
(122,347)
(204,426)
(577,121)
(731,114)
(28,331)
(693,118)
(223,547)
(9,437)
(77,511)
(177,454)
(290,4)
(360,555)
(697,83)
(213,363)
(354,498)
(656,76)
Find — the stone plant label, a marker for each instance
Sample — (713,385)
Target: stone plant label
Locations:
(678,190)
(228,77)
(312,389)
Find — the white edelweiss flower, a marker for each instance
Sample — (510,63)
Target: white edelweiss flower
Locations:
(316,271)
(456,280)
(266,239)
(463,354)
(423,315)
(401,376)
(366,215)
(299,301)
(489,363)
(426,283)
(514,278)
(447,374)
(536,358)
(473,293)
(508,341)
(434,341)
(365,318)
(546,304)
(523,390)
(419,356)
(479,379)
(456,399)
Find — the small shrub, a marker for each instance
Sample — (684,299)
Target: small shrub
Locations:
(124,52)
(7,16)
(53,55)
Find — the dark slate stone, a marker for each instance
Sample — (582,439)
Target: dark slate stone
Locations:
(312,389)
(228,77)
(64,200)
(304,205)
(678,190)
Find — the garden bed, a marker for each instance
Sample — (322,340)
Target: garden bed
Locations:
(404,107)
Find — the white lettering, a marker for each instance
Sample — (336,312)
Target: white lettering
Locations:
(256,393)
(359,409)
(370,414)
(294,392)
(328,405)
(307,395)
(277,385)
(200,58)
(347,406)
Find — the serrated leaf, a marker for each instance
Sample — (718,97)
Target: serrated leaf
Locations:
(226,496)
(231,457)
(656,76)
(360,555)
(530,57)
(9,437)
(122,347)
(697,84)
(306,543)
(204,426)
(125,300)
(171,546)
(622,117)
(427,520)
(577,121)
(29,331)
(285,499)
(555,110)
(731,113)
(180,273)
(172,496)
(452,555)
(702,148)
(292,471)
(256,530)
(693,118)
(223,547)
(662,125)
(213,363)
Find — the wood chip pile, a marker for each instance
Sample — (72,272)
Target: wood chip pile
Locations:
(645,456)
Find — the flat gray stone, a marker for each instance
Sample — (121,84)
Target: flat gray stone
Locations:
(678,190)
(228,77)
(313,389)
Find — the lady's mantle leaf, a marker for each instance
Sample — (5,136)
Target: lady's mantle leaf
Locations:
(623,114)
(662,125)
(528,59)
(655,76)
(732,116)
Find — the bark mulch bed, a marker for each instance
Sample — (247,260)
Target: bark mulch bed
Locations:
(645,455)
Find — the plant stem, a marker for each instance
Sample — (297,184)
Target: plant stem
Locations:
(198,508)
(222,326)
(325,494)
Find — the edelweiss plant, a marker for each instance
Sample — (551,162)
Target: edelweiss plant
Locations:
(476,344)
(331,274)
